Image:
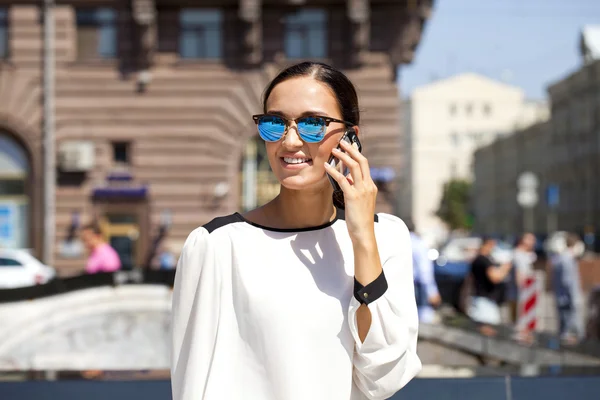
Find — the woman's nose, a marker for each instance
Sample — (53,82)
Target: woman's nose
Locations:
(292,138)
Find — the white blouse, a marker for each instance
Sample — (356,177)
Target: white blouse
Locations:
(270,314)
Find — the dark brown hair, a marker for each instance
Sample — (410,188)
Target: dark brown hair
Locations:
(342,88)
(94,227)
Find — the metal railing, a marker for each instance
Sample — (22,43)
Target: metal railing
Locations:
(493,388)
(88,281)
(455,332)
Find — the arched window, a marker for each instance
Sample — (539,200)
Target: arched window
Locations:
(14,200)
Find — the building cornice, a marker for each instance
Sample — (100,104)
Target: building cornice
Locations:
(418,12)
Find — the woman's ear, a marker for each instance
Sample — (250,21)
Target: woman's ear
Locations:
(357,129)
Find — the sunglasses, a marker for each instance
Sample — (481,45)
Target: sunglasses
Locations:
(311,129)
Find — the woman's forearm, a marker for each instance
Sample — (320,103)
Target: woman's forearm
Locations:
(367,268)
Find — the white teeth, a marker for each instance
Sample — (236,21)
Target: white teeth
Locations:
(295,160)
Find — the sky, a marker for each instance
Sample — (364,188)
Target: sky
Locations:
(527,43)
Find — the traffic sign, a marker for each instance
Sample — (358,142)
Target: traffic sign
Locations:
(527,198)
(527,180)
(552,195)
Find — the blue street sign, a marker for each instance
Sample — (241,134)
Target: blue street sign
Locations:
(552,195)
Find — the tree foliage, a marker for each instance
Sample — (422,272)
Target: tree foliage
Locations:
(454,206)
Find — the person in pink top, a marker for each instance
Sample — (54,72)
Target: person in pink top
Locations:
(103,258)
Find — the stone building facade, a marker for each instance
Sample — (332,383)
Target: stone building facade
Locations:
(565,151)
(153,103)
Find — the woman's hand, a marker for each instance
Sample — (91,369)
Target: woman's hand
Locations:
(360,193)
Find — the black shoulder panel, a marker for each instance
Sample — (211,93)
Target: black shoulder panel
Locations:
(220,222)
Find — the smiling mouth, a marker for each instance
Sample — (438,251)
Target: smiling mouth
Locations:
(294,161)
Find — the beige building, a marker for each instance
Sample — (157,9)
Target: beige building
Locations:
(445,122)
(565,151)
(153,106)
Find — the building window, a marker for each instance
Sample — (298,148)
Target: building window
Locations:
(14,200)
(306,34)
(121,153)
(3,33)
(487,110)
(452,109)
(477,138)
(453,170)
(455,139)
(200,33)
(96,33)
(469,109)
(12,186)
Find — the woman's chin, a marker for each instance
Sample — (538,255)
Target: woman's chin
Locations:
(299,182)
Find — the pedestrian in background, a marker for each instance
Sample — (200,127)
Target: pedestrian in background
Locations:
(164,259)
(102,257)
(523,259)
(568,293)
(426,291)
(488,285)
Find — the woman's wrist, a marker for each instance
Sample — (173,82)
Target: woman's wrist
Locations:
(365,240)
(367,263)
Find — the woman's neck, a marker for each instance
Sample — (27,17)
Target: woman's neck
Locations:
(97,245)
(293,209)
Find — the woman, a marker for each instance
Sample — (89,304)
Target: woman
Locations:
(290,301)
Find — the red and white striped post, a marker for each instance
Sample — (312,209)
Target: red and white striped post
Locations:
(528,305)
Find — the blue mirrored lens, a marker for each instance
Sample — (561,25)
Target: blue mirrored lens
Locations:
(311,129)
(270,128)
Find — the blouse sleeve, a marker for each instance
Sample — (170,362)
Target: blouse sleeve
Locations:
(195,316)
(387,360)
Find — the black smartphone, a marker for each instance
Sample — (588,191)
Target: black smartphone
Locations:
(351,137)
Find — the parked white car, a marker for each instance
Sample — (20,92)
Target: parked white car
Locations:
(18,268)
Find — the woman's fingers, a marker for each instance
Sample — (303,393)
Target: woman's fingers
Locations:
(353,165)
(357,156)
(339,178)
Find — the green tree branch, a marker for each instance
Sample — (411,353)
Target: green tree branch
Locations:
(454,206)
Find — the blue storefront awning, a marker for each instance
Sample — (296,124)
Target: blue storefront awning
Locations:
(120,185)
